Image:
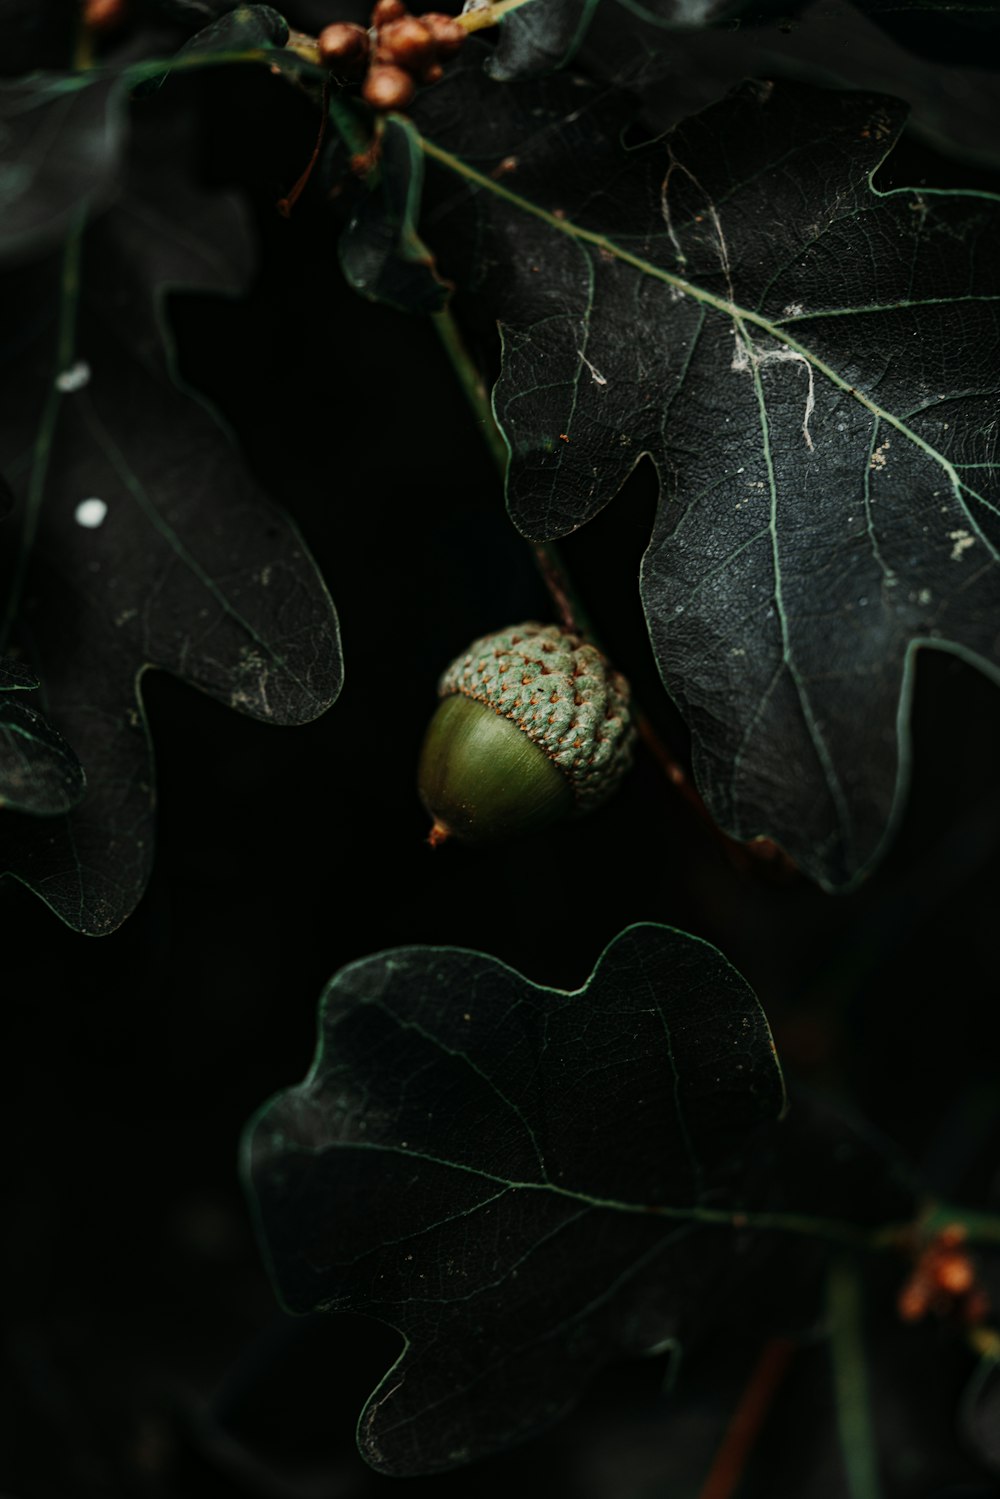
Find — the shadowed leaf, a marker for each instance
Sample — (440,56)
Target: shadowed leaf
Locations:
(814,368)
(39,773)
(61,145)
(544,35)
(15,676)
(518,1179)
(381,253)
(144,542)
(238,30)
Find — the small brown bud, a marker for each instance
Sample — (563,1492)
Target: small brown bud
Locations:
(954,1273)
(103,15)
(914,1300)
(407,43)
(386,11)
(432,74)
(344,47)
(446,31)
(387,87)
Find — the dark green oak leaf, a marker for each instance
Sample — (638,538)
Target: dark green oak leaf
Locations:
(237,30)
(39,773)
(62,139)
(16,677)
(381,253)
(144,541)
(518,1179)
(543,35)
(814,368)
(240,26)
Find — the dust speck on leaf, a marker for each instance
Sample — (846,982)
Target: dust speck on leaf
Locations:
(90,513)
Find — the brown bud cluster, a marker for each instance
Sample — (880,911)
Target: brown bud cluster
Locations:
(400,51)
(943,1282)
(344,47)
(103,15)
(388,87)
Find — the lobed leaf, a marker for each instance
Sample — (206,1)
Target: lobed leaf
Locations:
(143,540)
(236,31)
(542,36)
(813,366)
(381,253)
(39,773)
(518,1179)
(61,148)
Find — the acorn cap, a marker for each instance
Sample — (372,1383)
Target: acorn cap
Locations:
(550,733)
(561,692)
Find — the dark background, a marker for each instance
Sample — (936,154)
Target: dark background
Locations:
(143,1351)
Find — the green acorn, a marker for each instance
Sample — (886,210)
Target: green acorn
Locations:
(534,725)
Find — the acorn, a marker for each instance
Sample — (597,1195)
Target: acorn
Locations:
(534,725)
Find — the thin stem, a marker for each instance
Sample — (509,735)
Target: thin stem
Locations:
(488,15)
(473,385)
(348,126)
(979,1227)
(288,202)
(752,1409)
(571,611)
(850,1380)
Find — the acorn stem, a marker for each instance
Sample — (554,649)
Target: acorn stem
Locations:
(571,612)
(472,383)
(438,834)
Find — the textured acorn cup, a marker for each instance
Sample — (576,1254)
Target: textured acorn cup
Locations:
(534,726)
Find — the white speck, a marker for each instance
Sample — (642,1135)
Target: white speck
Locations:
(962,541)
(924,596)
(90,513)
(75,378)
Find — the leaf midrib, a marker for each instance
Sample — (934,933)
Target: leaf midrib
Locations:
(727,307)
